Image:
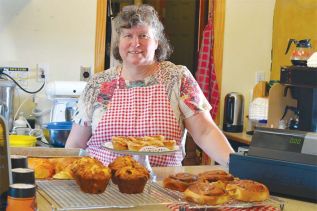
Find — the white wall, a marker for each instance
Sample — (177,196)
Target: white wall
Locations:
(247,46)
(58,33)
(61,33)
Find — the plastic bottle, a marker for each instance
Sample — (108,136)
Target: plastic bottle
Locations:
(20,125)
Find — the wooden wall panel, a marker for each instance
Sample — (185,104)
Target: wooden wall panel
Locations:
(218,9)
(100,42)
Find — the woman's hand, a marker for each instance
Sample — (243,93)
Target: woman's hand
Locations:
(209,137)
(78,137)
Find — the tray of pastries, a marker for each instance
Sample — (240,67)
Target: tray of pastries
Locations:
(141,145)
(52,167)
(219,189)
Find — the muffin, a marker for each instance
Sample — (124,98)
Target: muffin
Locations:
(132,179)
(91,175)
(119,163)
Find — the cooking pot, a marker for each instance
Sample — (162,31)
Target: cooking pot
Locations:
(56,133)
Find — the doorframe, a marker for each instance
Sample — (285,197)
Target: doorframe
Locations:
(100,37)
(215,6)
(219,11)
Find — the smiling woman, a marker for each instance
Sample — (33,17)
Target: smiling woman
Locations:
(144,95)
(170,12)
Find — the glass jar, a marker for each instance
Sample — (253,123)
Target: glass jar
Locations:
(21,197)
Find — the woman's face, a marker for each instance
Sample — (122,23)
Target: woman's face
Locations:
(137,45)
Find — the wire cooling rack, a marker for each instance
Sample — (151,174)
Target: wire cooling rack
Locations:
(66,195)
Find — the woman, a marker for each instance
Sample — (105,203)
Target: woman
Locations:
(144,96)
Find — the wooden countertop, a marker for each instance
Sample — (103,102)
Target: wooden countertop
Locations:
(162,172)
(239,137)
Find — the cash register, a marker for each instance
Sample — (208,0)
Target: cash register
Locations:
(284,160)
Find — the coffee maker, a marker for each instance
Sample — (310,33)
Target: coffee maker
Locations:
(64,96)
(233,113)
(302,81)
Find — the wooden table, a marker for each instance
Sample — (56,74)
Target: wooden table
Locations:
(162,172)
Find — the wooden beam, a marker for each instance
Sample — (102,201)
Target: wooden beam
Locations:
(218,8)
(100,40)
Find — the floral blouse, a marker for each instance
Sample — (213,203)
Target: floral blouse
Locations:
(183,92)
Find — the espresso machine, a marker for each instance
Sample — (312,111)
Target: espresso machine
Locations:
(302,81)
(64,96)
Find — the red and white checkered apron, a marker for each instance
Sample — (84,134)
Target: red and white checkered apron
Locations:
(138,111)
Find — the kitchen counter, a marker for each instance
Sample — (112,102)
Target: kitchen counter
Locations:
(242,138)
(162,172)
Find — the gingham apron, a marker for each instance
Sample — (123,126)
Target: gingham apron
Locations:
(137,111)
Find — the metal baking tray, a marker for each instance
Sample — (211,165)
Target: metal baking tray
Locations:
(66,195)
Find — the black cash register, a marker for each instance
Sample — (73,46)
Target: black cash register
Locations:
(284,160)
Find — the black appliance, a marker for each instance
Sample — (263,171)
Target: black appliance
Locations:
(303,84)
(284,160)
(233,112)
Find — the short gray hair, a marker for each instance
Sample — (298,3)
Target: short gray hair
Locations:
(134,15)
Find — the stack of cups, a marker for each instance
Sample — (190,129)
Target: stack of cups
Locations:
(21,195)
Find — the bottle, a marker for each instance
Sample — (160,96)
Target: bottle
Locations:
(21,197)
(20,126)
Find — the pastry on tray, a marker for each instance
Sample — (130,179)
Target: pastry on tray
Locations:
(206,193)
(48,168)
(137,143)
(132,179)
(215,175)
(248,190)
(91,175)
(63,167)
(43,168)
(179,181)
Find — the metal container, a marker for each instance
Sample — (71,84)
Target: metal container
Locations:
(56,133)
(6,101)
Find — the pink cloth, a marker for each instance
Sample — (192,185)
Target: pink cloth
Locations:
(206,75)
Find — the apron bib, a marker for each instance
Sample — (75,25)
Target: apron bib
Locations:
(138,111)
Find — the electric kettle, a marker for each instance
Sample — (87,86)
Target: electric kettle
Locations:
(301,53)
(233,112)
